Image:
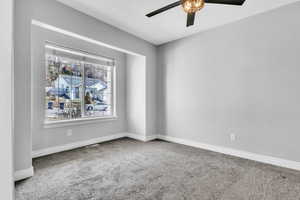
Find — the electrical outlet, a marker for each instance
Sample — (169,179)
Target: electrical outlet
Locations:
(232,137)
(69,132)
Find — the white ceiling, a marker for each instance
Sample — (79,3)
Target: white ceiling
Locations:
(129,15)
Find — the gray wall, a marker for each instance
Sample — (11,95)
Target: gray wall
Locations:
(56,14)
(241,78)
(6,86)
(55,136)
(135,94)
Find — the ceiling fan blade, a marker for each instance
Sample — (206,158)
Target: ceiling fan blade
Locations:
(190,19)
(229,2)
(172,5)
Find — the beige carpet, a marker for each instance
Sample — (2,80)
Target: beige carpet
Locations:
(126,169)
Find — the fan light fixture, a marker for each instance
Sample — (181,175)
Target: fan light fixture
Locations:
(192,6)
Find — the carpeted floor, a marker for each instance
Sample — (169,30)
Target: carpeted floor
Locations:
(126,169)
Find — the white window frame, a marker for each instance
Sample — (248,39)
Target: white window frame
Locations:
(83,119)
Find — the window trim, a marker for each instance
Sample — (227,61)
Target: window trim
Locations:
(79,121)
(84,119)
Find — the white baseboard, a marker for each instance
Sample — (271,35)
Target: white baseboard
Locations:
(22,174)
(233,152)
(136,136)
(66,147)
(140,137)
(151,137)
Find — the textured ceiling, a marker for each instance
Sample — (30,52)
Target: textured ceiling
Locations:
(129,15)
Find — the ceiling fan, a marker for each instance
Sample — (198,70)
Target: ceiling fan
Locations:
(192,6)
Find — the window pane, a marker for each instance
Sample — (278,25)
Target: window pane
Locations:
(97,90)
(70,84)
(64,88)
(52,99)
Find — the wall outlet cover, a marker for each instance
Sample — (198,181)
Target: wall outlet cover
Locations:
(69,132)
(232,137)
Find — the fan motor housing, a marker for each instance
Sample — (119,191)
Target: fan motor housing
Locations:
(192,6)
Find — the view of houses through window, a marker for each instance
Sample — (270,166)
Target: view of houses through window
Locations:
(79,85)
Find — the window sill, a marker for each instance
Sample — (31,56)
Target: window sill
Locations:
(75,122)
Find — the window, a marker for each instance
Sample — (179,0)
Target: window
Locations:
(79,85)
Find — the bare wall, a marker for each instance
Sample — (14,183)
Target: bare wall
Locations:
(242,78)
(6,86)
(45,137)
(59,15)
(135,94)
